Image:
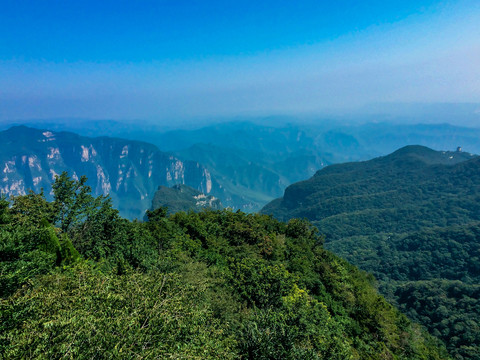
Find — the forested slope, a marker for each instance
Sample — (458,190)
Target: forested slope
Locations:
(412,188)
(412,219)
(183,198)
(433,275)
(78,281)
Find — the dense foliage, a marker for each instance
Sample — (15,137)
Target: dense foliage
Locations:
(411,219)
(413,188)
(433,275)
(183,198)
(78,282)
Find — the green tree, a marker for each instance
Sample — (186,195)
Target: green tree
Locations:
(73,202)
(31,209)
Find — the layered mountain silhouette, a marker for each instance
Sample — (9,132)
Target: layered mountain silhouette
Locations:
(254,160)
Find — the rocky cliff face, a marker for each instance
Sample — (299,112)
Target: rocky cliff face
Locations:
(129,171)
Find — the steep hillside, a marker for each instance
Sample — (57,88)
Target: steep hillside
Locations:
(411,218)
(183,198)
(412,188)
(433,275)
(130,171)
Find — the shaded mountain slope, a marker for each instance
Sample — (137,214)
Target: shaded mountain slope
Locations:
(433,275)
(250,179)
(129,171)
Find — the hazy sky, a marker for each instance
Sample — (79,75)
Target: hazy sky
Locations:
(163,60)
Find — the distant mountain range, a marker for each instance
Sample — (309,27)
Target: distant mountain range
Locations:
(129,171)
(252,162)
(411,218)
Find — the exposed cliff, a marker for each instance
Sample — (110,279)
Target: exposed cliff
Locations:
(129,171)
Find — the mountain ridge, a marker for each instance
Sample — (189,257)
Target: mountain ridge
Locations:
(347,182)
(129,171)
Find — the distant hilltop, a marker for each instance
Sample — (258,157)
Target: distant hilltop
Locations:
(413,179)
(183,198)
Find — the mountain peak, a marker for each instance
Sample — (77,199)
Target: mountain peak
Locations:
(428,156)
(376,180)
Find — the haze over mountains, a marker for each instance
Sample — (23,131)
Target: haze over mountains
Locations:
(249,163)
(252,162)
(356,123)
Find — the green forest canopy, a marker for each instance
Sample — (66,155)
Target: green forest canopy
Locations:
(78,281)
(412,219)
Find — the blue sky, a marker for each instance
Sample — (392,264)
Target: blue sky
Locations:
(177,60)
